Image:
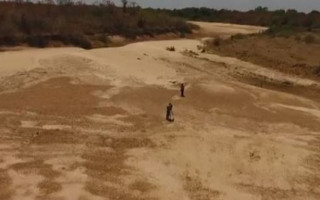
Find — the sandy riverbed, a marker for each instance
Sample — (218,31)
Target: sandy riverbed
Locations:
(89,125)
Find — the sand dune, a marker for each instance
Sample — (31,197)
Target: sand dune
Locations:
(89,125)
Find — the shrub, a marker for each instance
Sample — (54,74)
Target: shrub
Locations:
(287,83)
(80,41)
(171,48)
(75,40)
(316,71)
(11,40)
(280,31)
(297,38)
(148,32)
(309,39)
(131,33)
(38,41)
(183,27)
(217,41)
(238,36)
(182,35)
(104,38)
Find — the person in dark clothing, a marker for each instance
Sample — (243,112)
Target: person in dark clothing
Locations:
(169,115)
(182,90)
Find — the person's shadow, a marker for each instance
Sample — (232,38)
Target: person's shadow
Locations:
(170,120)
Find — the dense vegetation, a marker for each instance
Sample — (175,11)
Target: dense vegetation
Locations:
(38,24)
(260,16)
(67,23)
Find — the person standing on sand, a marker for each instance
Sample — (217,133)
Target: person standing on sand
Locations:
(169,114)
(182,90)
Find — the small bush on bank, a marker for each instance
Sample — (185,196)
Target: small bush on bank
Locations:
(80,41)
(279,31)
(298,38)
(238,36)
(316,71)
(217,41)
(11,40)
(37,41)
(104,39)
(172,48)
(309,39)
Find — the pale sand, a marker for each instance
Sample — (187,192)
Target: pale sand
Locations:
(223,29)
(89,125)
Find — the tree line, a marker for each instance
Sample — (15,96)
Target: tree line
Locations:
(78,24)
(75,23)
(260,16)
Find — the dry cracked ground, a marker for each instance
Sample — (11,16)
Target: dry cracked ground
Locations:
(90,125)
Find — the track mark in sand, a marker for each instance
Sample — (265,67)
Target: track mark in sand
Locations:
(36,176)
(312,163)
(115,119)
(49,136)
(197,191)
(268,193)
(56,132)
(68,64)
(72,182)
(57,97)
(184,65)
(23,79)
(298,176)
(141,186)
(147,98)
(107,170)
(313,112)
(8,157)
(24,185)
(50,68)
(5,183)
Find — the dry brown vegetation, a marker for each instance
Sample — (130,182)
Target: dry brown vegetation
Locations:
(77,24)
(297,53)
(171,48)
(260,16)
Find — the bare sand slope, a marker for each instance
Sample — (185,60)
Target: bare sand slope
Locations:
(223,29)
(89,125)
